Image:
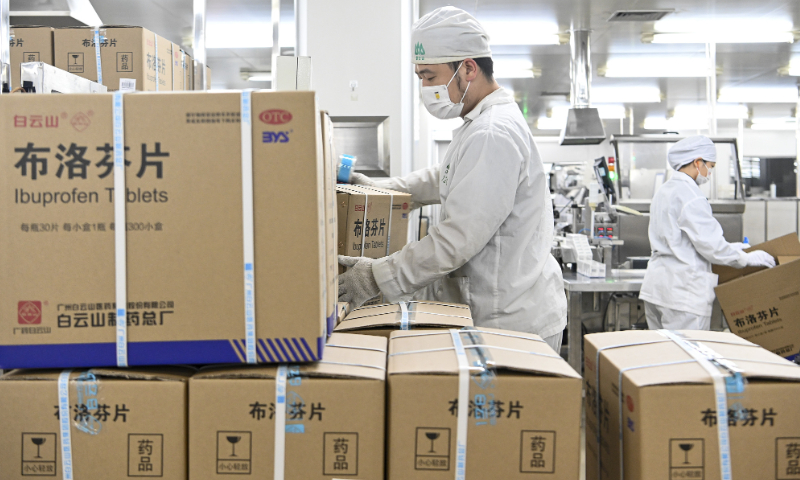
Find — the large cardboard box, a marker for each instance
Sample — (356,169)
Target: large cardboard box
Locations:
(29,44)
(185,261)
(524,410)
(121,424)
(385,215)
(656,405)
(334,416)
(763,305)
(384,319)
(125,53)
(331,228)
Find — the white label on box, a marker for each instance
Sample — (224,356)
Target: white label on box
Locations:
(127,84)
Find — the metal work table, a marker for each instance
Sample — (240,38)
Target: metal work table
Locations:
(576,285)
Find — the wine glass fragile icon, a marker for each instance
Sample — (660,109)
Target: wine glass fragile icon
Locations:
(38,441)
(233,439)
(686,447)
(432,436)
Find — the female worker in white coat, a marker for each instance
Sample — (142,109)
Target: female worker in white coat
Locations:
(685,239)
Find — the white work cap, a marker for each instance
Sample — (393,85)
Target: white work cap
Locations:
(448,34)
(691,148)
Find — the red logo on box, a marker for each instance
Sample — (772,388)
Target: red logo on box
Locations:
(629,401)
(29,312)
(80,121)
(405,206)
(275,117)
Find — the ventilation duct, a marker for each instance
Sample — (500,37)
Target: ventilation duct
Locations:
(639,15)
(53,13)
(584,126)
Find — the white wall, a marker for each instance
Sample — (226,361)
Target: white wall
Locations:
(369,42)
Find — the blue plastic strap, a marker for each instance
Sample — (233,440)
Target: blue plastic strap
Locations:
(248,227)
(97,38)
(280,423)
(120,223)
(63,422)
(463,402)
(404,316)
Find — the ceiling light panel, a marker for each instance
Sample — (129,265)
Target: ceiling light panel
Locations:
(514,32)
(758,95)
(626,94)
(654,67)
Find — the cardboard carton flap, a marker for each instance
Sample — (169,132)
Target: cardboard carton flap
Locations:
(416,306)
(174,373)
(432,352)
(787,245)
(345,356)
(646,352)
(428,314)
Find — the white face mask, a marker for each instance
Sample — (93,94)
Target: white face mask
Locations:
(702,179)
(437,100)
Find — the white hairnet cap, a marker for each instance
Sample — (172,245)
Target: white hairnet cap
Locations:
(448,34)
(690,148)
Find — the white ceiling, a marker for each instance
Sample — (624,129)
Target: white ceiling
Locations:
(741,64)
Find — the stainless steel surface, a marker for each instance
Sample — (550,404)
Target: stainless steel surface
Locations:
(583,127)
(44,78)
(199,45)
(276,39)
(55,13)
(717,206)
(580,71)
(367,138)
(578,283)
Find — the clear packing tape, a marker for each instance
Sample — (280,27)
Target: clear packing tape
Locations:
(727,381)
(475,363)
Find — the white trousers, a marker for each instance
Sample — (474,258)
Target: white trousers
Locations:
(659,317)
(555,341)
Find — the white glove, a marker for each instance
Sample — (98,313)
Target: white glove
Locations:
(740,246)
(760,258)
(357,284)
(361,179)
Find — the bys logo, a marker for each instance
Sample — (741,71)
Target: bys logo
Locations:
(275,137)
(29,312)
(275,117)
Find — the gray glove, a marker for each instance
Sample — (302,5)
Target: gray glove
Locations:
(760,258)
(357,284)
(361,179)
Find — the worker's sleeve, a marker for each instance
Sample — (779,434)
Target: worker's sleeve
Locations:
(423,185)
(705,233)
(482,194)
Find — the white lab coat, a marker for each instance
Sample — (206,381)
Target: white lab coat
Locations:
(491,248)
(685,239)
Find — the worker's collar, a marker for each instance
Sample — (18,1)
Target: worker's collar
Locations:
(498,97)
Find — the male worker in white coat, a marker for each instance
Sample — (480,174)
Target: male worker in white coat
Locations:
(678,287)
(491,248)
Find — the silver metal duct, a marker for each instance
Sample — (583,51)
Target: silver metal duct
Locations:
(5,38)
(54,13)
(584,126)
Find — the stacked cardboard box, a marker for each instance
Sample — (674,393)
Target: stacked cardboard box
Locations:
(122,423)
(523,407)
(382,320)
(651,407)
(323,420)
(29,44)
(373,221)
(331,259)
(185,265)
(763,305)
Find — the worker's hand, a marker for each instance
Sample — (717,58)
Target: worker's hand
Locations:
(760,258)
(361,179)
(357,284)
(740,246)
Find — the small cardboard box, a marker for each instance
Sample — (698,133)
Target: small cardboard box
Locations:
(658,404)
(385,215)
(122,423)
(125,53)
(29,44)
(185,261)
(763,305)
(342,309)
(524,414)
(178,65)
(384,319)
(334,416)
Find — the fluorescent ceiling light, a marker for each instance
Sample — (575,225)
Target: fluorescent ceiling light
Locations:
(626,95)
(513,68)
(547,123)
(758,95)
(675,123)
(744,36)
(787,123)
(246,35)
(652,66)
(723,112)
(516,32)
(792,70)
